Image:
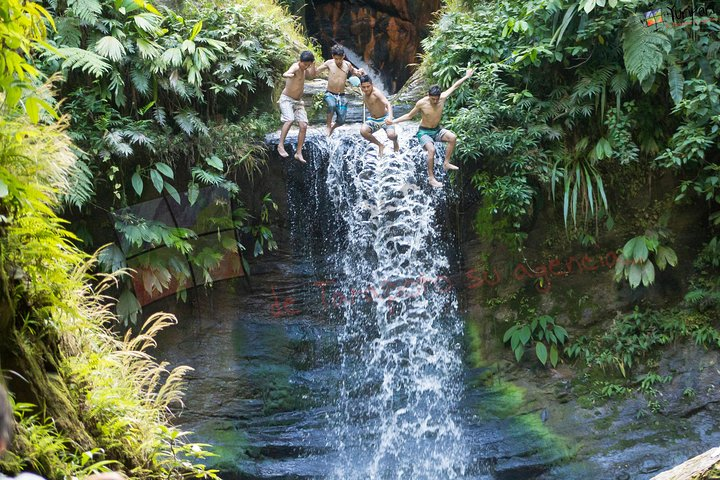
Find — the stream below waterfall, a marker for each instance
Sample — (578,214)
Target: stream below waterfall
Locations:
(348,355)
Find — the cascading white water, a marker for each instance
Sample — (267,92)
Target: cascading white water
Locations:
(401,360)
(358,61)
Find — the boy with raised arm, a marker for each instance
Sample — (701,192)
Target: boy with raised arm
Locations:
(292,108)
(381,114)
(339,71)
(430,131)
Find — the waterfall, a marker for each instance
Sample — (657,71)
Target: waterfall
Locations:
(400,380)
(374,74)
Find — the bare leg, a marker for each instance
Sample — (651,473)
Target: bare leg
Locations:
(329,127)
(430,147)
(283,133)
(365,132)
(301,141)
(451,140)
(392,135)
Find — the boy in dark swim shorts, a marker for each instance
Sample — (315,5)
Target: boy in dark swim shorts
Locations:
(381,115)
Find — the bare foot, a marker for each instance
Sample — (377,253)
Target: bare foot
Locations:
(434,183)
(299,157)
(381,150)
(328,131)
(396,146)
(449,166)
(282,152)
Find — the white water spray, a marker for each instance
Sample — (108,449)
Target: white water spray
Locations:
(401,366)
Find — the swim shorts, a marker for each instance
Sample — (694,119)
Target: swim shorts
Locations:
(426,135)
(292,110)
(376,124)
(337,103)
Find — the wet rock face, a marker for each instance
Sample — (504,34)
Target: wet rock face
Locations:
(385,33)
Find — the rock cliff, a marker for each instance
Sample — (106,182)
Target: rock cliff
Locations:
(385,33)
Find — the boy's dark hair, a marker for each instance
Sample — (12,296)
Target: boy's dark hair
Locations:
(365,79)
(6,418)
(337,50)
(434,91)
(307,56)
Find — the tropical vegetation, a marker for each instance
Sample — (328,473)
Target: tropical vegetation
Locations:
(579,110)
(104,105)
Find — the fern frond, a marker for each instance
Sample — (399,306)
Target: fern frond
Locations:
(140,80)
(644,49)
(189,121)
(110,47)
(85,60)
(81,188)
(86,10)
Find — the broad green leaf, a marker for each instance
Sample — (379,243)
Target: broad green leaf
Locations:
(215,162)
(635,275)
(165,169)
(515,340)
(519,353)
(648,274)
(640,250)
(554,355)
(665,256)
(629,248)
(196,29)
(541,352)
(525,334)
(173,192)
(137,183)
(509,332)
(157,180)
(193,192)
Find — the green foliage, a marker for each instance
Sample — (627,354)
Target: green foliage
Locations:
(557,68)
(637,334)
(100,384)
(543,333)
(583,189)
(635,263)
(22,30)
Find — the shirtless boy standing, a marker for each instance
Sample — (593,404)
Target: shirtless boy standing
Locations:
(339,70)
(292,108)
(430,131)
(381,115)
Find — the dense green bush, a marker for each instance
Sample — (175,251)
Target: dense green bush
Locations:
(573,93)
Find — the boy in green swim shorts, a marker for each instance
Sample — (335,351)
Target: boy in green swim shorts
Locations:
(381,115)
(430,131)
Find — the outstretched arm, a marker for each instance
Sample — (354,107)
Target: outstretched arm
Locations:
(322,68)
(291,71)
(407,116)
(358,72)
(457,84)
